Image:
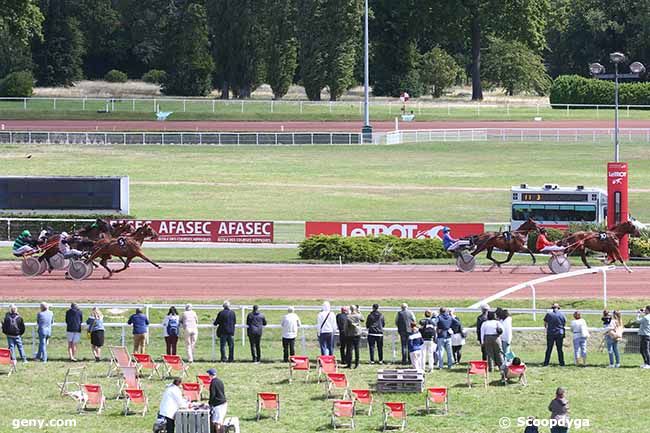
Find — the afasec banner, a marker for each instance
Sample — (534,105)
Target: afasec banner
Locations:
(401,230)
(210,231)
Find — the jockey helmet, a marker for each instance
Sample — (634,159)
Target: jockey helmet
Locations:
(26,233)
(446,229)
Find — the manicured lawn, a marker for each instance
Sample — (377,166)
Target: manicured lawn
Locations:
(425,182)
(605,397)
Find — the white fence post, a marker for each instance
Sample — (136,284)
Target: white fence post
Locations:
(532,287)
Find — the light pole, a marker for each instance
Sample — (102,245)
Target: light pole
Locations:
(597,70)
(366,131)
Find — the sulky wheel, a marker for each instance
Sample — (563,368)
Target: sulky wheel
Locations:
(58,262)
(78,270)
(465,262)
(559,264)
(42,266)
(30,266)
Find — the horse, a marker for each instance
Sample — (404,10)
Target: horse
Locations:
(512,242)
(95,230)
(605,242)
(123,247)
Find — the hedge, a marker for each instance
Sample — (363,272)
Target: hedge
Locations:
(370,249)
(574,89)
(17,84)
(154,76)
(115,76)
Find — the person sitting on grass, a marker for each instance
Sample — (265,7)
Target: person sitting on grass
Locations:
(506,366)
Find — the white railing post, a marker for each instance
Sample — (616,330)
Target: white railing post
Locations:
(300,107)
(213,105)
(54,103)
(534,293)
(303,340)
(133,105)
(242,106)
(271,105)
(214,343)
(155,107)
(25,103)
(83,104)
(184,106)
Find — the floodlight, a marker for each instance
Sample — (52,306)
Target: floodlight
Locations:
(596,68)
(617,57)
(637,68)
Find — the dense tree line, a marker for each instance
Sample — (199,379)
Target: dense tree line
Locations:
(417,46)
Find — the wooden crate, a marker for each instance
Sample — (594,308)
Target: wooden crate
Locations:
(402,380)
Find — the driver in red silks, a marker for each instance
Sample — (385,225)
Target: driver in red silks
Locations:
(543,245)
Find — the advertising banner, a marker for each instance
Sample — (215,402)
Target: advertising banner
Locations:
(617,200)
(412,230)
(210,231)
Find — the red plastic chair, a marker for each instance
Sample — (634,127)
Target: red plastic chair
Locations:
(5,359)
(92,394)
(516,372)
(174,363)
(478,368)
(204,380)
(298,363)
(135,397)
(396,411)
(326,364)
(338,381)
(438,396)
(364,397)
(342,409)
(144,361)
(191,391)
(268,401)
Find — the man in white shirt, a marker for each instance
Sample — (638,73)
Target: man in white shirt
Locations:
(172,400)
(290,324)
(190,324)
(325,328)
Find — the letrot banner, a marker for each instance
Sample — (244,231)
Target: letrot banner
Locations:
(411,230)
(251,232)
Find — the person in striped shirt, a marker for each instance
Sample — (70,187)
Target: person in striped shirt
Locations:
(24,244)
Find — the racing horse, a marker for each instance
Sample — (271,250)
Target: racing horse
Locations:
(606,242)
(512,242)
(123,247)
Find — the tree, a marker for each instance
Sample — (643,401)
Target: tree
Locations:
(58,57)
(312,58)
(281,45)
(15,56)
(515,67)
(104,45)
(21,19)
(438,70)
(189,64)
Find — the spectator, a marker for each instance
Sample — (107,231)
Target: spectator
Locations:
(375,323)
(504,318)
(172,400)
(457,338)
(73,320)
(225,322)
(504,368)
(403,321)
(444,333)
(580,335)
(96,330)
(290,325)
(428,333)
(531,425)
(13,327)
(416,344)
(140,324)
(554,322)
(217,401)
(644,333)
(559,409)
(341,323)
(190,325)
(491,332)
(255,323)
(479,322)
(353,333)
(44,321)
(171,328)
(326,326)
(614,334)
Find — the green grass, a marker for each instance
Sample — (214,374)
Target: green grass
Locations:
(605,397)
(406,182)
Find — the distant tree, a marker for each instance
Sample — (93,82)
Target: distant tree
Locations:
(281,45)
(21,19)
(189,64)
(104,44)
(438,71)
(15,55)
(312,57)
(58,56)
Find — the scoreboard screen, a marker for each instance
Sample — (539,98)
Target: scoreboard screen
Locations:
(102,194)
(550,196)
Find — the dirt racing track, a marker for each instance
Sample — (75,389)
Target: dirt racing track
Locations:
(203,282)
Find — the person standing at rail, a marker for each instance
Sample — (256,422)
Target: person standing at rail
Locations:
(171,329)
(353,332)
(341,324)
(255,323)
(644,334)
(428,333)
(73,320)
(190,324)
(225,323)
(326,326)
(479,322)
(13,327)
(403,321)
(96,330)
(375,323)
(554,322)
(44,321)
(140,324)
(290,325)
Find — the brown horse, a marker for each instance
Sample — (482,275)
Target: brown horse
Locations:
(123,247)
(512,242)
(605,242)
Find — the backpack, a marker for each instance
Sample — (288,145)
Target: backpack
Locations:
(172,327)
(12,327)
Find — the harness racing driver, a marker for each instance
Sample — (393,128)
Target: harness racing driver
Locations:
(450,243)
(543,245)
(24,244)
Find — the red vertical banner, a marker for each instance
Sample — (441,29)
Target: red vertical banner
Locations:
(617,208)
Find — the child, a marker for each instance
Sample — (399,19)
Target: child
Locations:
(530,425)
(415,345)
(559,408)
(504,370)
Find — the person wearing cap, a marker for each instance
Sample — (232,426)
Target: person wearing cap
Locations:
(403,321)
(326,327)
(65,249)
(375,323)
(479,322)
(24,244)
(225,323)
(172,400)
(217,401)
(554,322)
(543,245)
(255,323)
(190,325)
